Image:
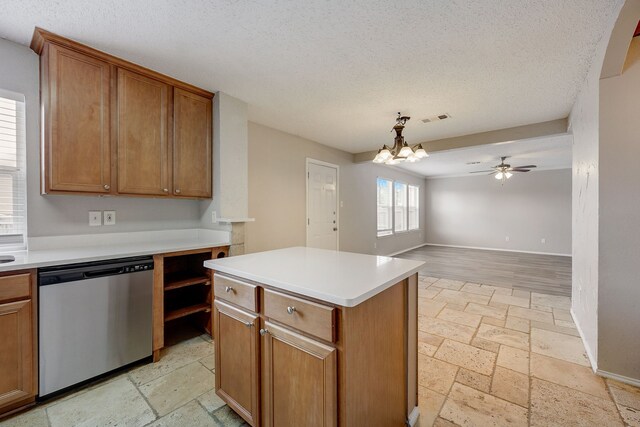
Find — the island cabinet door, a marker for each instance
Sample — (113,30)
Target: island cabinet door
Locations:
(237,360)
(300,380)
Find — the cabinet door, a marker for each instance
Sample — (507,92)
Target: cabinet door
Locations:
(77,122)
(300,380)
(17,375)
(191,145)
(237,360)
(143,149)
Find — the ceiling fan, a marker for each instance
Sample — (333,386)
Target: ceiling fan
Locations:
(504,171)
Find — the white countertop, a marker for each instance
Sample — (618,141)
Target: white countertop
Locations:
(341,278)
(58,250)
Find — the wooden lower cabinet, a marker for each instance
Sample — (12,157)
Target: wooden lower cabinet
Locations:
(18,355)
(300,380)
(237,360)
(316,364)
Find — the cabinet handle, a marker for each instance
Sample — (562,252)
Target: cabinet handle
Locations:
(106,186)
(264,332)
(177,191)
(228,289)
(248,324)
(166,190)
(291,310)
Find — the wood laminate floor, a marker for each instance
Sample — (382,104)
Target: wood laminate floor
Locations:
(548,274)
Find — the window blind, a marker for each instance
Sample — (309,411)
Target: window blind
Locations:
(12,171)
(414,207)
(385,207)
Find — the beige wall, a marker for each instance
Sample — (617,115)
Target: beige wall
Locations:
(277,195)
(478,211)
(619,250)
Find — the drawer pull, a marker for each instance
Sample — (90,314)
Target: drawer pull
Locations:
(228,289)
(248,324)
(264,332)
(106,186)
(291,310)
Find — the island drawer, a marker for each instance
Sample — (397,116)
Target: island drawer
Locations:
(15,286)
(236,292)
(310,317)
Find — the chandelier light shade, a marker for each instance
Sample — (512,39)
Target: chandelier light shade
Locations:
(401,151)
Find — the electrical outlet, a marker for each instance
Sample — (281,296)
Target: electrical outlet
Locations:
(109,217)
(214,217)
(506,238)
(95,218)
(543,240)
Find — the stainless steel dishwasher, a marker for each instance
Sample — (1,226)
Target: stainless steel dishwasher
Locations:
(93,318)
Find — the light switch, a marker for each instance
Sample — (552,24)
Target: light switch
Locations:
(109,217)
(95,218)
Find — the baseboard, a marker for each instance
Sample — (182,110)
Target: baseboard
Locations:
(413,417)
(631,381)
(407,250)
(495,249)
(592,359)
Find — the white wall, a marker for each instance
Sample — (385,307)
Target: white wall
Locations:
(61,215)
(619,225)
(478,211)
(277,195)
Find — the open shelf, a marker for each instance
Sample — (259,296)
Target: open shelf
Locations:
(181,282)
(186,311)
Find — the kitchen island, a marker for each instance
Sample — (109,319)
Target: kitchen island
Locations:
(317,338)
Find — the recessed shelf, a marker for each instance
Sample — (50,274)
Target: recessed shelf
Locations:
(176,283)
(186,311)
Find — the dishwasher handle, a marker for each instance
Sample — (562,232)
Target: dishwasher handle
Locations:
(101,273)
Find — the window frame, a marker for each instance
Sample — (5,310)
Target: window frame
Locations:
(417,207)
(385,232)
(18,176)
(392,232)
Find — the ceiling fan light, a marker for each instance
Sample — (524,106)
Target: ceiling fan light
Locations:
(508,175)
(405,151)
(499,175)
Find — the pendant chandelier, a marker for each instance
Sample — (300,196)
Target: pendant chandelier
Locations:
(401,151)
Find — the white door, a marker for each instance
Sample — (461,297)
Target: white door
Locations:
(322,205)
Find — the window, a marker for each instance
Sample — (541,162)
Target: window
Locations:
(398,207)
(400,197)
(12,171)
(385,207)
(414,207)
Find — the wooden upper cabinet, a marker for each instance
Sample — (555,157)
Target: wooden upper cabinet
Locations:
(76,97)
(114,127)
(191,145)
(143,148)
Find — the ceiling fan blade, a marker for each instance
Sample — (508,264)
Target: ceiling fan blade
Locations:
(492,171)
(525,167)
(519,170)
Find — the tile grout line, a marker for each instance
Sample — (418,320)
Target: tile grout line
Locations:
(153,410)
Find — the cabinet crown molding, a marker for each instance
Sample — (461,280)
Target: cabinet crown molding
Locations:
(42,36)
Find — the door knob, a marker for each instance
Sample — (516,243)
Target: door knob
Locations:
(335,228)
(178,191)
(264,332)
(228,289)
(166,190)
(106,186)
(291,310)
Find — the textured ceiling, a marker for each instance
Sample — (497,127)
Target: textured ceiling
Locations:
(337,72)
(552,152)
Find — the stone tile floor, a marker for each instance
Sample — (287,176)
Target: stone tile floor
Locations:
(491,356)
(487,356)
(176,391)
